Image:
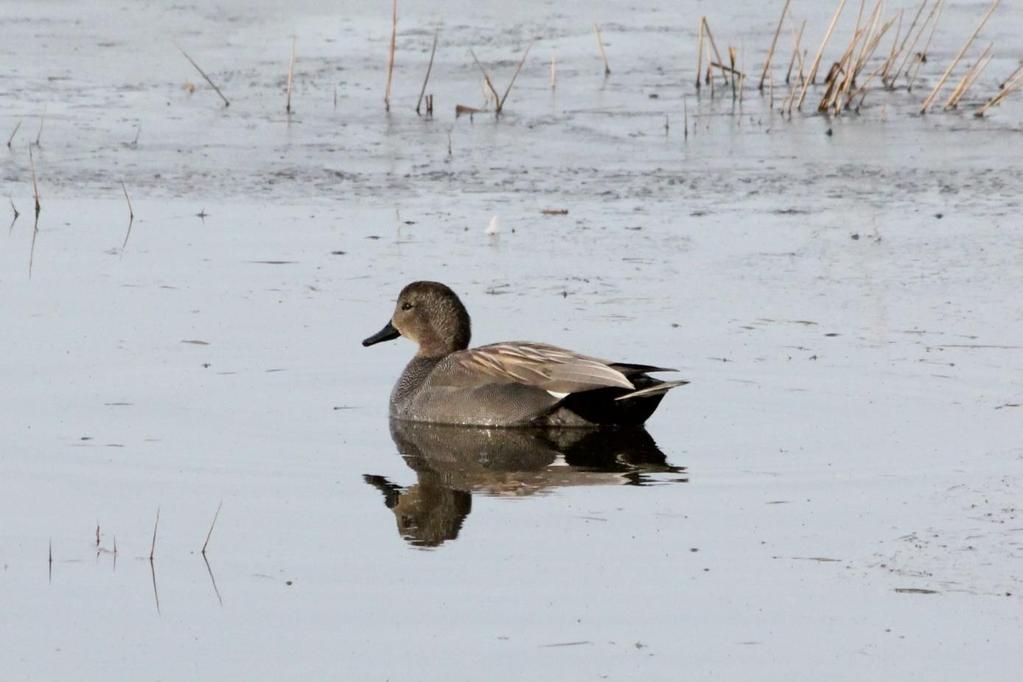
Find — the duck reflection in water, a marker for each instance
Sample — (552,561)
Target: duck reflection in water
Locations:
(453,462)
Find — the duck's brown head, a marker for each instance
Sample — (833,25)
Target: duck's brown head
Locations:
(430,314)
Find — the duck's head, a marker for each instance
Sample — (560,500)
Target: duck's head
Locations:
(430,314)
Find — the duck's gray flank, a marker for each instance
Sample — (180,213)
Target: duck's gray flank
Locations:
(514,383)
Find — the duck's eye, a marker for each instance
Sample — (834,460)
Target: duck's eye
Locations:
(406,306)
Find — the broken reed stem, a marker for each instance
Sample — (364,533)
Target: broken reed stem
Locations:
(554,72)
(774,43)
(210,533)
(152,547)
(944,77)
(922,56)
(429,68)
(13,133)
(390,56)
(820,52)
(291,73)
(713,45)
(699,55)
(203,74)
(39,133)
(603,54)
(685,119)
(486,78)
(500,103)
(35,185)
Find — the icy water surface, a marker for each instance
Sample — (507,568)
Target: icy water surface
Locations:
(836,493)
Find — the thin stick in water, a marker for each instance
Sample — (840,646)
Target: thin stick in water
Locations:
(500,103)
(291,74)
(35,185)
(603,54)
(210,533)
(203,74)
(152,547)
(774,43)
(131,216)
(13,133)
(820,53)
(390,56)
(39,134)
(429,68)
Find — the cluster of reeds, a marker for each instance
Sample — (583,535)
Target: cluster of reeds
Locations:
(864,60)
(113,552)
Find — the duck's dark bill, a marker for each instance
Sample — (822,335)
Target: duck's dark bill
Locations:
(385,334)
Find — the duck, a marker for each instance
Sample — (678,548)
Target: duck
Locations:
(507,384)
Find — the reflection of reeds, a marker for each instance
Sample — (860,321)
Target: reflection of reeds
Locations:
(203,74)
(962,51)
(600,46)
(429,68)
(390,56)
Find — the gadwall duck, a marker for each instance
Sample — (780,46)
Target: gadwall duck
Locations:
(515,383)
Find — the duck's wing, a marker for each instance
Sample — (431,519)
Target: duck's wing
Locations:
(541,366)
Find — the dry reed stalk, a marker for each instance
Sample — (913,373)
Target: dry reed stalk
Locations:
(798,37)
(39,133)
(291,74)
(210,533)
(944,77)
(890,81)
(50,561)
(486,80)
(35,185)
(774,43)
(603,54)
(13,133)
(909,52)
(1011,84)
(500,104)
(699,58)
(968,78)
(713,45)
(1012,77)
(390,56)
(203,74)
(922,55)
(731,62)
(429,68)
(554,72)
(893,52)
(820,52)
(839,73)
(152,547)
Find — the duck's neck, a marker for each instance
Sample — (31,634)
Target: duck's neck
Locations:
(413,377)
